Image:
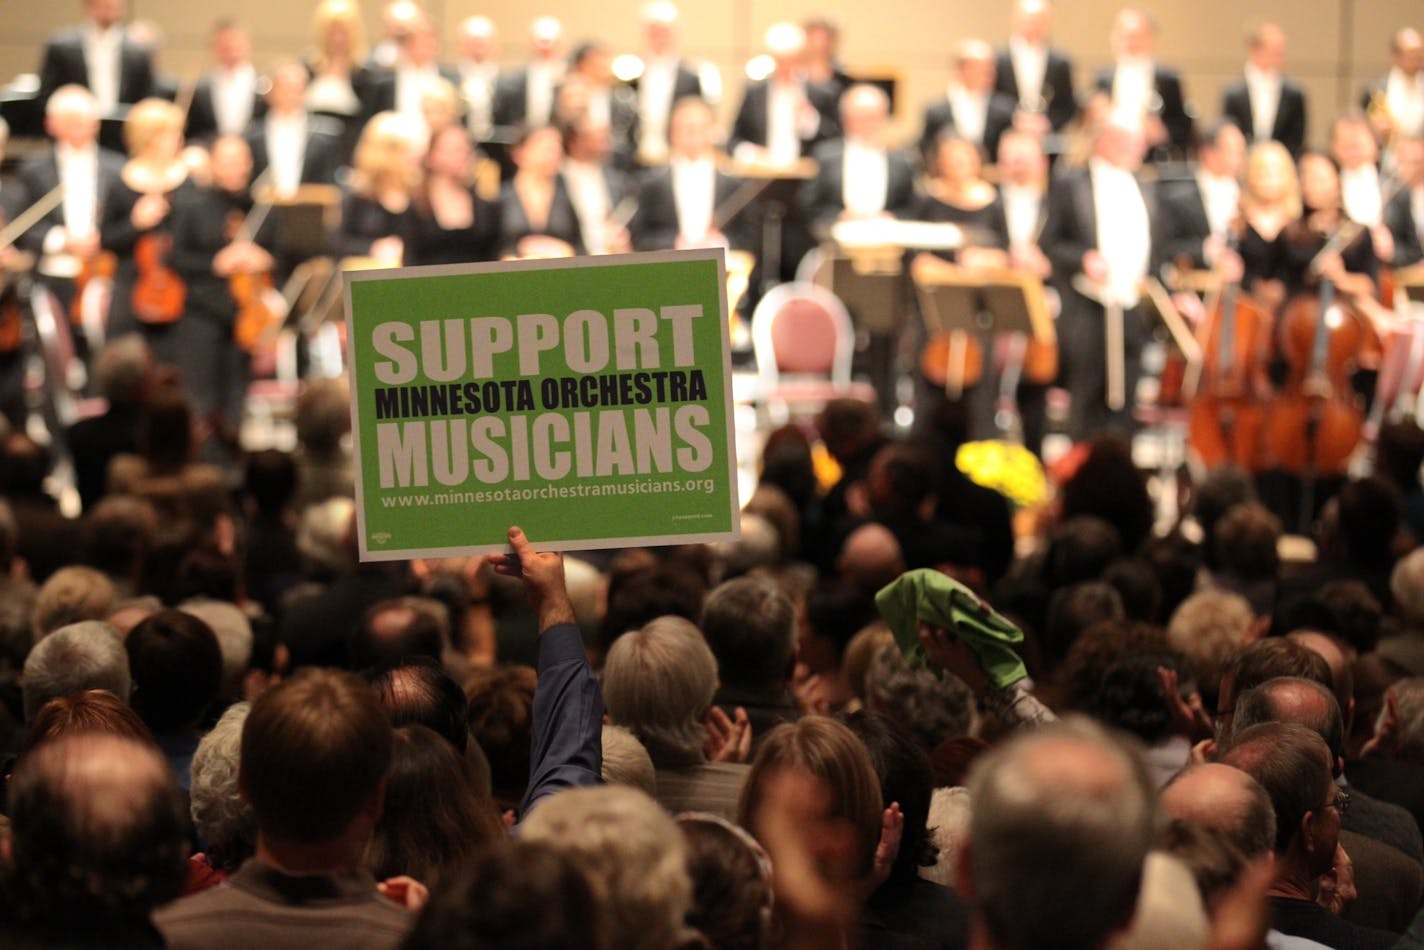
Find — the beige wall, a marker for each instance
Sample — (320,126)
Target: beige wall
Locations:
(1335,44)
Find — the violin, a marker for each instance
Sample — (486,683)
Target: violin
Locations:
(159,294)
(252,291)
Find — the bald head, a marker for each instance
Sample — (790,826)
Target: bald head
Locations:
(865,113)
(1292,764)
(1225,799)
(974,65)
(1329,649)
(871,557)
(1295,700)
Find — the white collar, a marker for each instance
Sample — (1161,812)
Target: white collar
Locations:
(1022,47)
(1257,76)
(68,153)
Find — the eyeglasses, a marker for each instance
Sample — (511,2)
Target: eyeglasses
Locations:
(1341,802)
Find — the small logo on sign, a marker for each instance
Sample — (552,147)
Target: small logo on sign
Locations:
(381,537)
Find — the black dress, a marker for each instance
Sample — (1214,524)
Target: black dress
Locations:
(478,242)
(562,223)
(1299,247)
(118,234)
(1260,258)
(984,227)
(365,220)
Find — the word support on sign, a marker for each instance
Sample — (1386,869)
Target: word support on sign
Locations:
(588,400)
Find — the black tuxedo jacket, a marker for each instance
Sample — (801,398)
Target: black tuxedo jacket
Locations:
(40,175)
(1399,218)
(655,226)
(378,92)
(1184,225)
(203,117)
(997,120)
(511,97)
(64,63)
(686,83)
(322,156)
(1173,113)
(1290,125)
(1057,85)
(751,124)
(1071,226)
(822,199)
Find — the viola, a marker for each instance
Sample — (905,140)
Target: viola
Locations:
(252,291)
(101,266)
(159,294)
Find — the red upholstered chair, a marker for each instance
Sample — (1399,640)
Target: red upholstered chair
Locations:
(804,343)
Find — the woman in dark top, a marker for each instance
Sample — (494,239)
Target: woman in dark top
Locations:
(1270,201)
(958,194)
(378,214)
(537,217)
(456,224)
(1352,266)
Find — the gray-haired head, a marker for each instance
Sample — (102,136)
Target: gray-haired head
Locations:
(78,657)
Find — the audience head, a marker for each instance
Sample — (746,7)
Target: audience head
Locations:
(1293,765)
(177,670)
(501,721)
(72,594)
(234,633)
(658,683)
(633,853)
(418,692)
(1407,742)
(903,769)
(1301,701)
(1226,799)
(1259,662)
(394,631)
(94,710)
(223,821)
(732,898)
(626,761)
(81,656)
(1208,629)
(751,627)
(1063,820)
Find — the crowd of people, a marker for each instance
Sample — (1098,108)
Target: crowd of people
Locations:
(892,712)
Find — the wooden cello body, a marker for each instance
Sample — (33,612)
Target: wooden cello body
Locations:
(1227,412)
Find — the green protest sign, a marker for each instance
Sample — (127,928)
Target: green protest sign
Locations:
(587,400)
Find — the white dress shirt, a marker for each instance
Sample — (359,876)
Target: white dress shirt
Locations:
(1406,102)
(103,59)
(1022,204)
(655,93)
(1221,198)
(600,106)
(286,151)
(1264,91)
(539,94)
(1134,86)
(79,173)
(477,86)
(588,190)
(784,102)
(1361,195)
(1416,209)
(970,110)
(1124,232)
(865,179)
(1030,63)
(233,94)
(694,195)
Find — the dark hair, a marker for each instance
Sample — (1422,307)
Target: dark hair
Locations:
(1130,695)
(270,480)
(24,464)
(1109,485)
(94,710)
(1399,452)
(837,612)
(501,714)
(1359,618)
(1209,853)
(419,692)
(207,572)
(1176,561)
(787,463)
(1222,489)
(1136,583)
(118,532)
(1081,674)
(731,893)
(906,777)
(432,819)
(176,666)
(165,432)
(314,751)
(1267,659)
(394,631)
(1369,520)
(518,896)
(751,627)
(85,872)
(1080,549)
(1246,542)
(1072,610)
(1289,761)
(1264,703)
(848,427)
(902,476)
(664,589)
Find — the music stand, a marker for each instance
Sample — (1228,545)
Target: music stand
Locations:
(304,221)
(777,196)
(958,300)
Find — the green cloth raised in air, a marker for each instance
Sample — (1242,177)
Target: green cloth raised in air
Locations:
(942,601)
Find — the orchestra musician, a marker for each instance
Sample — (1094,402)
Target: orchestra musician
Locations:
(1035,74)
(1404,215)
(1266,104)
(66,239)
(227,99)
(478,66)
(783,116)
(1100,226)
(665,81)
(404,88)
(378,215)
(536,214)
(209,249)
(455,224)
(1197,212)
(1353,148)
(141,210)
(823,55)
(526,96)
(1140,86)
(1354,269)
(971,106)
(398,18)
(595,186)
(99,56)
(298,148)
(335,65)
(12,357)
(589,89)
(677,204)
(1270,202)
(1395,103)
(858,176)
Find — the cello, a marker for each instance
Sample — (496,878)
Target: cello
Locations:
(1225,414)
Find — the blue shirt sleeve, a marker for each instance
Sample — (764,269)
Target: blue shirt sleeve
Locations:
(568,718)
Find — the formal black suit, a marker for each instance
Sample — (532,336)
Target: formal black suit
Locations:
(655,225)
(686,82)
(1069,232)
(64,63)
(1399,218)
(1184,225)
(622,122)
(378,92)
(752,123)
(511,98)
(1057,85)
(1173,112)
(822,198)
(323,151)
(202,115)
(40,175)
(998,119)
(1290,125)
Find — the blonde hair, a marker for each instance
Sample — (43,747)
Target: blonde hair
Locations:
(1257,160)
(385,150)
(1208,628)
(147,120)
(329,13)
(658,683)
